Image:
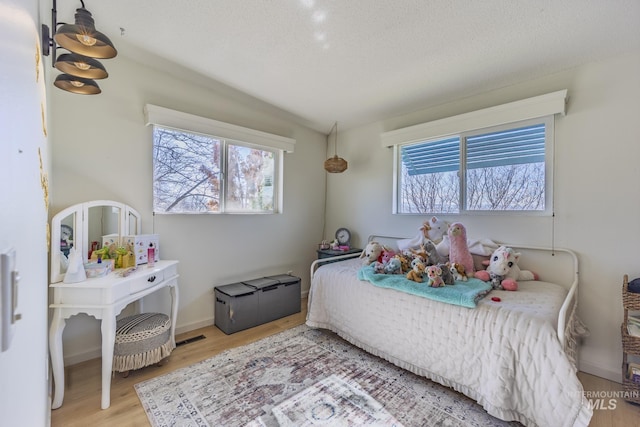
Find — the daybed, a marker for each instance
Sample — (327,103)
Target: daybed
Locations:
(515,357)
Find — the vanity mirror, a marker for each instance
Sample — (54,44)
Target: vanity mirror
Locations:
(83,226)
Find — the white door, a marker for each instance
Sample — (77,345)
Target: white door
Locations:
(24,390)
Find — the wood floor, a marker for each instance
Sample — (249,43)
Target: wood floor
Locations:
(81,405)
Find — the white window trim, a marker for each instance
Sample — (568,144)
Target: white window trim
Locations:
(161,116)
(530,108)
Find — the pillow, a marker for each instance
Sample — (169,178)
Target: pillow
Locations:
(478,261)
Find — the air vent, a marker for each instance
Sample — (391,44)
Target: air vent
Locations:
(190,340)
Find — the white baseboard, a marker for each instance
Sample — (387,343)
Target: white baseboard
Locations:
(195,325)
(598,371)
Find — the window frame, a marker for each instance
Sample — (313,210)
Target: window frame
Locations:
(227,134)
(549,123)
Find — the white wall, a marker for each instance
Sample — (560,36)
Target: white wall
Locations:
(102,150)
(597,195)
(24,160)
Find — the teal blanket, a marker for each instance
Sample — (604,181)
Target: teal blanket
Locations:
(466,294)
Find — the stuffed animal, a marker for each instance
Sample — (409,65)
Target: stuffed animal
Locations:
(432,229)
(393,266)
(417,260)
(434,257)
(435,276)
(416,272)
(458,249)
(427,253)
(417,253)
(447,277)
(371,252)
(483,247)
(102,253)
(405,262)
(386,255)
(378,267)
(503,271)
(457,271)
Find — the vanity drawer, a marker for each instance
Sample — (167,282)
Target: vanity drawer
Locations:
(145,281)
(113,287)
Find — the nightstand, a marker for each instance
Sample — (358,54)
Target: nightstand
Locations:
(327,253)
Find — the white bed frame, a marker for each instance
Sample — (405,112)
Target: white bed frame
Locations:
(506,384)
(533,258)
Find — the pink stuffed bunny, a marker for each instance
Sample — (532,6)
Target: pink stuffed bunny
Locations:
(458,249)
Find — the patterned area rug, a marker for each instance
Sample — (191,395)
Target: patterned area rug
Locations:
(333,401)
(264,384)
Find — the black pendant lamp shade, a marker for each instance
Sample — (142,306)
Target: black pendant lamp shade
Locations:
(83,38)
(84,43)
(81,66)
(77,85)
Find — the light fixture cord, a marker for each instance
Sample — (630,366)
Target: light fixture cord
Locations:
(335,141)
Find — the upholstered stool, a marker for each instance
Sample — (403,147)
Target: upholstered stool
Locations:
(141,340)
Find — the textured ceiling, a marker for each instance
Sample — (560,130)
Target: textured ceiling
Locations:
(359,61)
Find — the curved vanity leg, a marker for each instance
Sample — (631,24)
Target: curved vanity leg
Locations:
(108,328)
(57,358)
(174,311)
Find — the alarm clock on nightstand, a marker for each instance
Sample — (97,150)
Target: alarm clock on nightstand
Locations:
(343,236)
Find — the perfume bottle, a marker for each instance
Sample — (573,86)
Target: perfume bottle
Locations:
(151,255)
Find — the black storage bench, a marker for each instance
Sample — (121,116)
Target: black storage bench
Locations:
(250,303)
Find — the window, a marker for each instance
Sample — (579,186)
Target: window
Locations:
(502,168)
(498,159)
(207,170)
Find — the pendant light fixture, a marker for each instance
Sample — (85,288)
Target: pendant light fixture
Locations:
(78,85)
(80,67)
(83,38)
(335,164)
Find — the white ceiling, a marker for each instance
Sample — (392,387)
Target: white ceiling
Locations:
(359,61)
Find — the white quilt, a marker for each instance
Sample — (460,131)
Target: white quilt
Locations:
(505,355)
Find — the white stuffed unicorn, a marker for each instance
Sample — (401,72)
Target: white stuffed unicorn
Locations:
(433,229)
(503,270)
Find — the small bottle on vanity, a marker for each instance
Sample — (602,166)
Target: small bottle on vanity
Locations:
(151,255)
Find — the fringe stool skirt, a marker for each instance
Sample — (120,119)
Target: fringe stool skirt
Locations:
(141,340)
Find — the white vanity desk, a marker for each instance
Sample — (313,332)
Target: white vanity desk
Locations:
(102,297)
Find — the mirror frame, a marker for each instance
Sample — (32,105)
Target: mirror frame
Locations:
(81,229)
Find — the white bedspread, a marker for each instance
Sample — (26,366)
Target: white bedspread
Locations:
(505,355)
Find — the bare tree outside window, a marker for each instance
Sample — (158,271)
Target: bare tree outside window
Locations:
(186,172)
(506,188)
(189,175)
(430,193)
(250,179)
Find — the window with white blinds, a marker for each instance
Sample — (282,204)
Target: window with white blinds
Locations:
(508,147)
(502,168)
